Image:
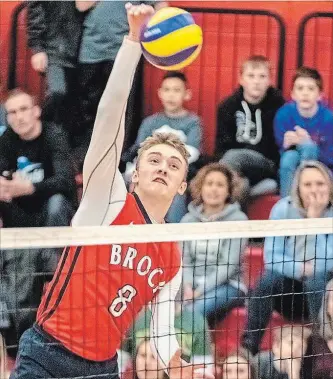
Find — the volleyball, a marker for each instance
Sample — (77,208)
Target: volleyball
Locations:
(171,40)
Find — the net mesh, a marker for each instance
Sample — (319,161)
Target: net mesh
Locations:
(254,301)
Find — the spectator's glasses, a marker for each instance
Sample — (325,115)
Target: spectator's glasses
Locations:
(22,109)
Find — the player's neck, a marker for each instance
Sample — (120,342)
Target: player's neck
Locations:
(156,209)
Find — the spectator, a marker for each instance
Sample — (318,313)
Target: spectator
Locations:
(303,260)
(286,360)
(3,124)
(54,33)
(146,366)
(42,189)
(236,366)
(212,267)
(192,334)
(104,28)
(39,194)
(303,127)
(175,118)
(323,346)
(245,137)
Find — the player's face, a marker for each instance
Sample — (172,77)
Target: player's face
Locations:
(215,189)
(255,81)
(312,183)
(306,93)
(161,172)
(22,114)
(172,94)
(235,367)
(147,366)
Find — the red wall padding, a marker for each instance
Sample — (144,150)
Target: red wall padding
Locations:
(228,40)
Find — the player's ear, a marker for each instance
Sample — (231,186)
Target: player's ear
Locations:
(135,177)
(182,188)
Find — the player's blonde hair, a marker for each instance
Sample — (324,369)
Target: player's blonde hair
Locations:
(169,139)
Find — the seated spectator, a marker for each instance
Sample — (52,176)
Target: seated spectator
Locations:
(192,333)
(146,366)
(323,346)
(37,182)
(303,127)
(245,137)
(37,188)
(287,358)
(212,267)
(236,366)
(175,118)
(3,124)
(305,261)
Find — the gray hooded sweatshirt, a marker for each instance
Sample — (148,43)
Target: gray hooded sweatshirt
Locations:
(210,263)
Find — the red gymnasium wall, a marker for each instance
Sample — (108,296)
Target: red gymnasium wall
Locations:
(228,39)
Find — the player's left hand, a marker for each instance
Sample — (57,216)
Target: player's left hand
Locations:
(137,15)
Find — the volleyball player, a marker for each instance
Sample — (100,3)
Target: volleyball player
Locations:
(97,291)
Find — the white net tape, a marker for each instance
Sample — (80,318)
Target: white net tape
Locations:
(18,238)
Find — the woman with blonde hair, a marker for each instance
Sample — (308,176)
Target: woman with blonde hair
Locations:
(211,273)
(302,261)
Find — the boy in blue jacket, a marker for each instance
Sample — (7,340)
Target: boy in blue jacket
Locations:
(304,127)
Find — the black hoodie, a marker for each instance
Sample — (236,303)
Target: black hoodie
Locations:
(55,27)
(241,125)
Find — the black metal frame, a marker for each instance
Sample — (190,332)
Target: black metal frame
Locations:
(301,33)
(282,38)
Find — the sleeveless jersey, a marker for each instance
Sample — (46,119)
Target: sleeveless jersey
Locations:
(97,291)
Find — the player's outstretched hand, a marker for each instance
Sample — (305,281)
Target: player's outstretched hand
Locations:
(137,15)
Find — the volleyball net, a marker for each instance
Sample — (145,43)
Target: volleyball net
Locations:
(254,301)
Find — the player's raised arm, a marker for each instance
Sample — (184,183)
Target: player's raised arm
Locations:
(100,171)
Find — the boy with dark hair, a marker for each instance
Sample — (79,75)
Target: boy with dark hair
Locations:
(303,127)
(175,118)
(245,138)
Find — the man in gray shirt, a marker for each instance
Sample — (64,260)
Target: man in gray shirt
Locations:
(104,28)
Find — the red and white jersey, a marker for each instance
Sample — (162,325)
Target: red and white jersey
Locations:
(97,291)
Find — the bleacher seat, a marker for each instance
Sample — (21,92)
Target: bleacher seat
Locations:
(252,266)
(228,332)
(260,207)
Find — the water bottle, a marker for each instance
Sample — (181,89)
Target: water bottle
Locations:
(22,162)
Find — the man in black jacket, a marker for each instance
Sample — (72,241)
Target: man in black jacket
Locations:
(245,137)
(54,34)
(37,188)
